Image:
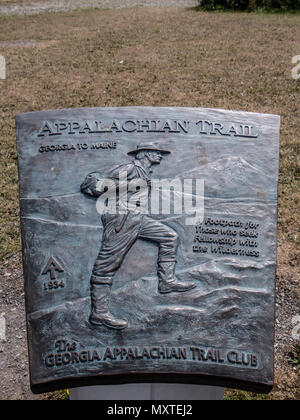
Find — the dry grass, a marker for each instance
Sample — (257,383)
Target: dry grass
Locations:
(159,57)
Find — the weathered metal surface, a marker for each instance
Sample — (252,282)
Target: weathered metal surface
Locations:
(120,288)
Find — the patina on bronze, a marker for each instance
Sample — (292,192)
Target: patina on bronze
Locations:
(149,245)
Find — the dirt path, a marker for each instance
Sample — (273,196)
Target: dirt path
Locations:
(36,7)
(14,378)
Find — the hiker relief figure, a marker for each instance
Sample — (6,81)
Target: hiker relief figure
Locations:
(123,224)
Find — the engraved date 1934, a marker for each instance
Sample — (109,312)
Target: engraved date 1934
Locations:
(53,285)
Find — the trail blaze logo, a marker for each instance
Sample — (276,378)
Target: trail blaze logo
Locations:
(51,267)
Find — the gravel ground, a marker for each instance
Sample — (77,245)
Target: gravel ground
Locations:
(14,378)
(36,7)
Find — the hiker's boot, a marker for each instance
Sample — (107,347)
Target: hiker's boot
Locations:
(167,281)
(100,315)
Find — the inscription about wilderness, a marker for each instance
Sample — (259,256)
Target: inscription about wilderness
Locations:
(227,237)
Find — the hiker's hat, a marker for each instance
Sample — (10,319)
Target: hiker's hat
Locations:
(148,147)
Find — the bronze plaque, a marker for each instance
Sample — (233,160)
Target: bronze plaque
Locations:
(149,245)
